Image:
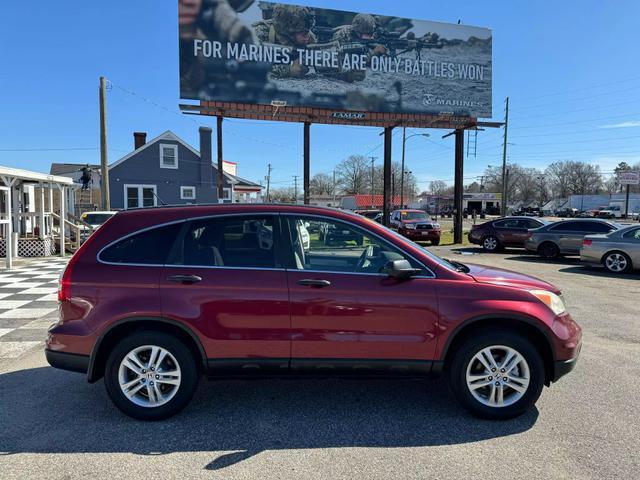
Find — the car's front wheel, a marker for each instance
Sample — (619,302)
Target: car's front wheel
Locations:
(150,375)
(497,375)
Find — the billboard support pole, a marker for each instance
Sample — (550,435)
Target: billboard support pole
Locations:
(504,161)
(458,187)
(386,211)
(307,129)
(220,161)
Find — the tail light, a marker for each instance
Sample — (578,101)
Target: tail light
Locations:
(64,284)
(586,242)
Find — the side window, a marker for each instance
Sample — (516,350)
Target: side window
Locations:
(500,224)
(564,227)
(243,241)
(633,234)
(510,223)
(599,228)
(333,246)
(150,247)
(532,224)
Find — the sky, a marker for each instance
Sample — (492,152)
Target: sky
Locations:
(570,69)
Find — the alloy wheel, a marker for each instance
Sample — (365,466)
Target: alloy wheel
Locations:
(616,262)
(149,376)
(490,243)
(498,376)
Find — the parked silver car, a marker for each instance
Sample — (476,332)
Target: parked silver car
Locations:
(619,251)
(565,237)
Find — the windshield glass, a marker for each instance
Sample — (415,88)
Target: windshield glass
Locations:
(96,218)
(413,215)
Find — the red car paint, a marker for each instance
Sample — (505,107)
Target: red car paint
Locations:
(265,318)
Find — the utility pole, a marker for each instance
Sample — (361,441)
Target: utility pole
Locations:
(404,143)
(220,161)
(402,188)
(104,161)
(373,159)
(504,160)
(393,191)
(295,189)
(307,168)
(334,188)
(268,183)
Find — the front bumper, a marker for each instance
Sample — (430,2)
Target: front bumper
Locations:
(562,367)
(412,234)
(72,362)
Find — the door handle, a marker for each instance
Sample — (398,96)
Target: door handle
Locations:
(314,283)
(185,279)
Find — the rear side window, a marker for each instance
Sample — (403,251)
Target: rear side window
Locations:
(242,241)
(150,247)
(599,228)
(565,227)
(532,223)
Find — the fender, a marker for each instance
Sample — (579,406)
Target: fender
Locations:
(96,348)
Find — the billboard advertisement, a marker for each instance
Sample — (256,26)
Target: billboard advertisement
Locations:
(250,52)
(629,178)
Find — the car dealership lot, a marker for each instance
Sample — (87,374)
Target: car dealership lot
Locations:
(584,427)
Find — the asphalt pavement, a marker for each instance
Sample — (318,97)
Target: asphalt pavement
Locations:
(54,424)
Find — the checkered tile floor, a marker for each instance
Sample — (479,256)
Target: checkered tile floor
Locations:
(28,304)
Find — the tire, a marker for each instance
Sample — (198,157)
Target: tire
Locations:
(435,243)
(548,250)
(617,262)
(515,402)
(490,244)
(177,359)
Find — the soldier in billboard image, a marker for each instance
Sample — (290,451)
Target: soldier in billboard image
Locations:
(217,19)
(290,26)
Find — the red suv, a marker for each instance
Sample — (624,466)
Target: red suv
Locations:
(157,297)
(416,225)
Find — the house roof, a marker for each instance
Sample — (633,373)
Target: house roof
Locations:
(62,168)
(29,176)
(169,135)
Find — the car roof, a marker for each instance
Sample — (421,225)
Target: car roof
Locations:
(409,210)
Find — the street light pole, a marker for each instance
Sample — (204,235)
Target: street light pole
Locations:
(404,144)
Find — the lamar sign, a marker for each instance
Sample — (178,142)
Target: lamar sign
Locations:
(249,52)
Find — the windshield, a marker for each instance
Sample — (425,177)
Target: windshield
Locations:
(96,218)
(413,215)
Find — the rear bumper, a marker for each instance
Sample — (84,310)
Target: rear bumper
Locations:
(531,246)
(72,362)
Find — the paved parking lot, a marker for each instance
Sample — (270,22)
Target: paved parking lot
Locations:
(55,425)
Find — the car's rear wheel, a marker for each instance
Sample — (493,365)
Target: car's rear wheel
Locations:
(617,262)
(497,375)
(435,243)
(548,251)
(150,375)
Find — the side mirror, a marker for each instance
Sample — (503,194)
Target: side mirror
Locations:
(400,269)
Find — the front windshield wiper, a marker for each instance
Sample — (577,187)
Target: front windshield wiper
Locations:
(460,267)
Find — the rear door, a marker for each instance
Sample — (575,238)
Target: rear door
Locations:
(225,279)
(347,314)
(508,232)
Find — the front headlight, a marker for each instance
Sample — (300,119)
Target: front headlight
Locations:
(410,226)
(551,300)
(436,225)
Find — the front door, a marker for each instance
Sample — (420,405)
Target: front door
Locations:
(346,313)
(224,279)
(138,196)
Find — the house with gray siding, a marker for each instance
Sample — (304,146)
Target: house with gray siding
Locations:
(169,171)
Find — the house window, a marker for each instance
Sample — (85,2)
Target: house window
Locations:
(226,197)
(138,196)
(168,156)
(187,193)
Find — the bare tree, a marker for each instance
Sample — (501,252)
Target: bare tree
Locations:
(354,173)
(574,178)
(437,187)
(283,195)
(321,184)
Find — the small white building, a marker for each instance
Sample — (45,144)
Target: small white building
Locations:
(29,227)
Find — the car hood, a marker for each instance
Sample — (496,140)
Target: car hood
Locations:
(499,276)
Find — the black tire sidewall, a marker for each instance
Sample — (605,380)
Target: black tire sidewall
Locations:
(188,371)
(471,346)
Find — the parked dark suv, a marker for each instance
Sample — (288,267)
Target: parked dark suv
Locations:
(157,297)
(503,232)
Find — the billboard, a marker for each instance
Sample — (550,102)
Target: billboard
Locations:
(243,51)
